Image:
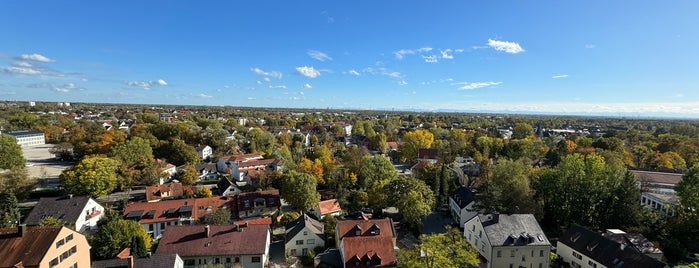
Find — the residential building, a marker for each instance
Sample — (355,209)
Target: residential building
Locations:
(207,171)
(164,191)
(303,235)
(227,245)
(506,241)
(50,246)
(81,212)
(366,242)
(227,188)
(155,217)
(204,151)
(166,168)
(27,137)
(636,240)
(154,261)
(257,204)
(327,207)
(461,204)
(581,247)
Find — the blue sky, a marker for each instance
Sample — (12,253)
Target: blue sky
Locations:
(634,58)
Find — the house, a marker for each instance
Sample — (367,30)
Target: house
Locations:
(81,212)
(429,155)
(167,169)
(302,235)
(227,245)
(155,217)
(227,188)
(207,171)
(229,164)
(164,191)
(636,240)
(461,204)
(27,137)
(155,261)
(257,204)
(327,207)
(204,151)
(581,247)
(366,242)
(504,241)
(48,246)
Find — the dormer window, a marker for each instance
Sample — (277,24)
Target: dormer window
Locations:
(357,230)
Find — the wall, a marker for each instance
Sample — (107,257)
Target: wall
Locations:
(291,244)
(81,256)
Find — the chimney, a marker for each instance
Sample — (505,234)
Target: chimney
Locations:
(207,230)
(130,262)
(21,229)
(495,217)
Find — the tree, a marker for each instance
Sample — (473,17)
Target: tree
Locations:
(16,181)
(522,130)
(449,249)
(178,153)
(188,175)
(688,192)
(203,191)
(299,190)
(51,221)
(415,140)
(260,141)
(11,153)
(94,176)
(115,234)
(289,217)
(508,189)
(9,211)
(137,161)
(221,216)
(314,168)
(375,168)
(411,196)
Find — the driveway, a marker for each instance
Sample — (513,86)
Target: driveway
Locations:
(435,222)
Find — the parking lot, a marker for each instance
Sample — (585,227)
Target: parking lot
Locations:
(43,165)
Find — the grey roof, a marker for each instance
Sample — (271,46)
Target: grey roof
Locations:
(605,251)
(515,229)
(62,208)
(24,132)
(304,220)
(462,196)
(155,261)
(331,258)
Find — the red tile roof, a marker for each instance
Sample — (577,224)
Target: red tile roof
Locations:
(29,248)
(170,210)
(259,221)
(242,157)
(329,206)
(174,189)
(375,250)
(346,228)
(392,145)
(191,240)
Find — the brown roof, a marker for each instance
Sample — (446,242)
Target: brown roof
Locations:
(377,250)
(191,240)
(171,210)
(29,248)
(259,221)
(174,189)
(392,145)
(657,177)
(329,206)
(427,153)
(251,196)
(242,157)
(346,228)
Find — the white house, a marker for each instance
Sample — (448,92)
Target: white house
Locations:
(302,235)
(205,152)
(82,212)
(505,241)
(327,207)
(581,247)
(461,205)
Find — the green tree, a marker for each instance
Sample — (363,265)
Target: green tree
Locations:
(508,189)
(16,181)
(289,217)
(115,234)
(137,161)
(93,175)
(178,153)
(522,130)
(375,168)
(9,211)
(188,175)
(412,197)
(51,221)
(299,190)
(220,216)
(440,250)
(11,153)
(688,192)
(260,141)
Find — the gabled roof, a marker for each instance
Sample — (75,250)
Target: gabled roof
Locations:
(29,248)
(241,157)
(347,228)
(174,189)
(62,208)
(191,240)
(515,229)
(201,147)
(605,251)
(377,250)
(154,261)
(462,196)
(329,206)
(304,221)
(171,210)
(210,167)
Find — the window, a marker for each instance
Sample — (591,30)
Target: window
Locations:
(575,264)
(540,265)
(256,259)
(217,260)
(73,250)
(162,225)
(150,227)
(577,255)
(246,203)
(304,252)
(592,264)
(299,242)
(499,253)
(237,259)
(69,238)
(512,253)
(188,262)
(310,241)
(541,253)
(75,265)
(293,252)
(59,243)
(228,260)
(480,233)
(53,263)
(305,232)
(473,229)
(523,258)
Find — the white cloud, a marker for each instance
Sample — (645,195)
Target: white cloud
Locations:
(505,46)
(266,79)
(251,98)
(446,54)
(307,86)
(401,53)
(430,58)
(67,87)
(318,55)
(273,74)
(202,95)
(402,83)
(559,76)
(21,70)
(259,82)
(353,72)
(590,46)
(146,84)
(21,64)
(475,85)
(35,57)
(161,82)
(391,74)
(278,87)
(307,71)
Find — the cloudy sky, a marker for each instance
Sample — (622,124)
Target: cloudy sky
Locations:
(564,57)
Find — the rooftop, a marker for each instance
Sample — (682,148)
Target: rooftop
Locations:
(192,240)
